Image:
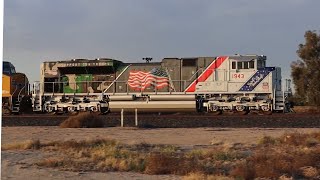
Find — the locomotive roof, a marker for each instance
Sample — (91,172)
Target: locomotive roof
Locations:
(236,56)
(85,60)
(143,63)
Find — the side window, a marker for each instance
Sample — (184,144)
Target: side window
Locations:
(251,64)
(259,64)
(234,65)
(240,65)
(246,65)
(189,62)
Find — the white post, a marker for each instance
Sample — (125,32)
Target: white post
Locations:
(136,117)
(121,117)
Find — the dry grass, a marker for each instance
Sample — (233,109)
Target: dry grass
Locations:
(29,144)
(162,164)
(275,157)
(83,120)
(201,176)
(51,162)
(291,155)
(307,109)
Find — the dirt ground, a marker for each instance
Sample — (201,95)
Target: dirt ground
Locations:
(19,164)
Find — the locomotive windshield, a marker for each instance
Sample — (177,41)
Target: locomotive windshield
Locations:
(8,68)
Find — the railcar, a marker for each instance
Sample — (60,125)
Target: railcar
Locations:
(15,90)
(237,83)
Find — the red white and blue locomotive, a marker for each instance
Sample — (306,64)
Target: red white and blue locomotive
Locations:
(238,83)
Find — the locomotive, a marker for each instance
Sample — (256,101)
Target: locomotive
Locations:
(15,90)
(237,83)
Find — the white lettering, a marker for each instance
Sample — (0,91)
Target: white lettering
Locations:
(255,80)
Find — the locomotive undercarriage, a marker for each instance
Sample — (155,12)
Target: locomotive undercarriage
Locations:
(211,103)
(75,104)
(237,104)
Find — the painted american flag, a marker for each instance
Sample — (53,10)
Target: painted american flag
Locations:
(157,78)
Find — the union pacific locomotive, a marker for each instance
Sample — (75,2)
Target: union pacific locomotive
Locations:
(238,83)
(15,90)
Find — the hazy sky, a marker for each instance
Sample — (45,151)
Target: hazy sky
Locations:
(39,30)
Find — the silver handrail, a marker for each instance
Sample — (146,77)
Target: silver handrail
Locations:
(125,69)
(195,74)
(170,80)
(20,92)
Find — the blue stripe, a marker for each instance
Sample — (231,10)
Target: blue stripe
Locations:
(256,79)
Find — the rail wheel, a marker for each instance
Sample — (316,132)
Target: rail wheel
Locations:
(51,112)
(243,110)
(229,112)
(104,110)
(6,111)
(266,110)
(218,112)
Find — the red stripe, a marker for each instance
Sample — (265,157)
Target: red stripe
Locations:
(204,76)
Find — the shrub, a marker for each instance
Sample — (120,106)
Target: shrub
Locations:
(83,120)
(158,163)
(267,140)
(273,163)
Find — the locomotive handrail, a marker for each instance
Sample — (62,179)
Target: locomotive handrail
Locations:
(36,90)
(15,90)
(125,69)
(172,86)
(194,74)
(20,92)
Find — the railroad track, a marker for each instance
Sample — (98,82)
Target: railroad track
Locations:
(180,120)
(184,114)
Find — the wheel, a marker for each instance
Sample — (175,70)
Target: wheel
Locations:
(218,112)
(229,112)
(104,110)
(244,112)
(52,113)
(6,111)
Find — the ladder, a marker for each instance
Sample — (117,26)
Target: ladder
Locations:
(36,98)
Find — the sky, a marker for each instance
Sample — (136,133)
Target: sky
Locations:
(128,30)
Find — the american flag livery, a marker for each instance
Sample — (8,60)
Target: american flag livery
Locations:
(140,80)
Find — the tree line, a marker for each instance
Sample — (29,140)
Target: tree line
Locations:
(305,72)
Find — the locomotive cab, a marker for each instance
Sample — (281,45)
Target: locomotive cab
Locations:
(247,80)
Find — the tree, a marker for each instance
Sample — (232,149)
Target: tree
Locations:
(306,72)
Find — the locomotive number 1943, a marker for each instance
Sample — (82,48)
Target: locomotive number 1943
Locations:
(237,76)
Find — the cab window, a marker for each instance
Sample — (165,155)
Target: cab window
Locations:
(246,65)
(234,65)
(251,64)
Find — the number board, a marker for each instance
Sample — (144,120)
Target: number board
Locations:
(237,76)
